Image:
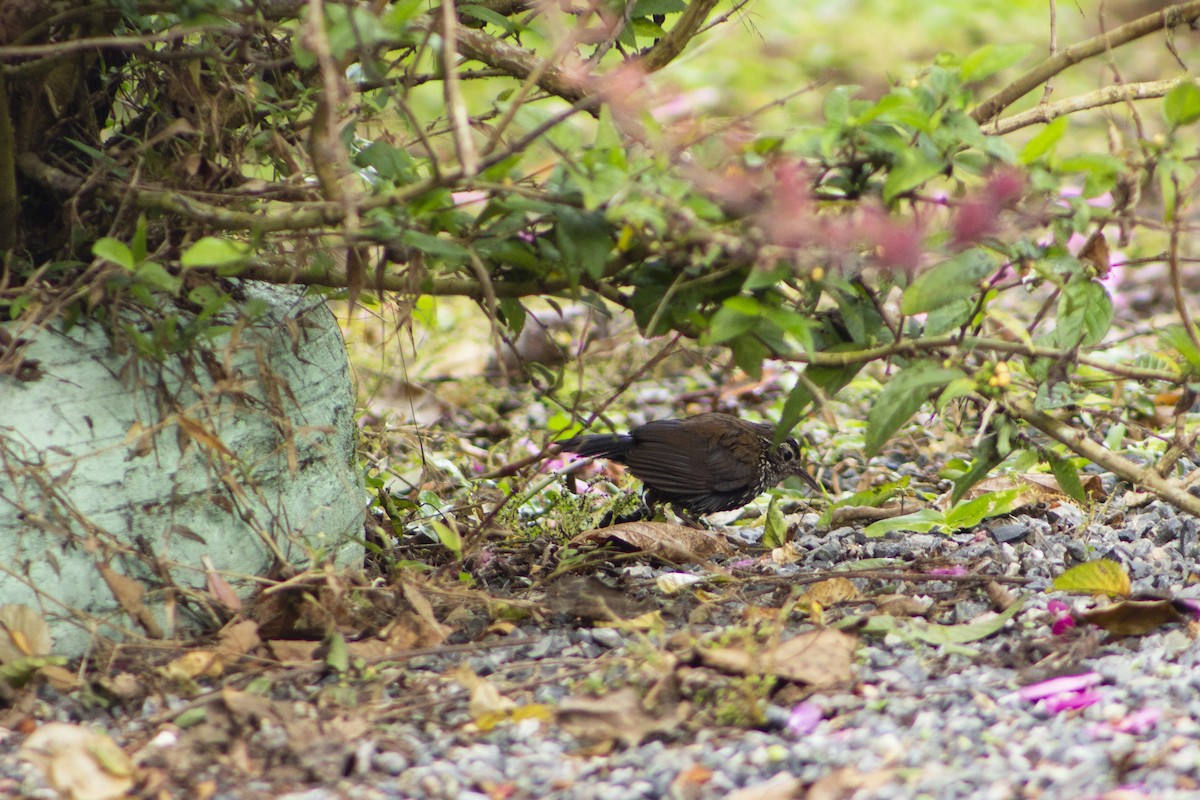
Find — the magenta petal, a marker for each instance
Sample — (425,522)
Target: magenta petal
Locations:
(1070,701)
(957,569)
(1067,683)
(1062,625)
(1139,721)
(804,718)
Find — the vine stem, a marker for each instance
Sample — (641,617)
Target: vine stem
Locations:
(1077,441)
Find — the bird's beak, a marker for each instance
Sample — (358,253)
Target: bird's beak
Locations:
(804,475)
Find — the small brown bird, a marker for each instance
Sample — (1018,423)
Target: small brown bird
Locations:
(702,464)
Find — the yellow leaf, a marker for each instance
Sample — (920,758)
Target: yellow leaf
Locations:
(1095,577)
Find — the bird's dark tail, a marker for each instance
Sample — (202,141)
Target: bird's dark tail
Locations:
(601,445)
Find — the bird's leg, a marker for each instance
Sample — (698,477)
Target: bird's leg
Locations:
(689,520)
(643,511)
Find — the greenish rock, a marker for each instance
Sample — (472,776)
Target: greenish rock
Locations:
(237,456)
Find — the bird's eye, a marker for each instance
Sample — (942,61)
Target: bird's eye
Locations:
(790,450)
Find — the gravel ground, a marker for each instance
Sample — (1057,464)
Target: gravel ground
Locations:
(918,721)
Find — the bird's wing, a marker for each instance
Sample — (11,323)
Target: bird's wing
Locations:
(670,458)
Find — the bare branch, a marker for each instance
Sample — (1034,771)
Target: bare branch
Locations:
(1184,13)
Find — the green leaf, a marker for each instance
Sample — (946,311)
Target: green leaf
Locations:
(390,162)
(987,457)
(585,240)
(1176,337)
(337,654)
(646,8)
(959,387)
(446,250)
(647,28)
(748,354)
(791,323)
(873,497)
(992,504)
(488,15)
(914,169)
(399,12)
(837,104)
(213,252)
(448,536)
(921,521)
(952,280)
(1085,313)
(1067,477)
(1100,171)
(1181,106)
(138,245)
(1044,141)
(736,316)
(19,672)
(966,632)
(990,59)
(776,528)
(514,314)
(906,392)
(156,277)
(115,251)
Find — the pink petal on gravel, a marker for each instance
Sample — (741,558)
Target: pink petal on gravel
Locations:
(804,719)
(1070,701)
(1055,686)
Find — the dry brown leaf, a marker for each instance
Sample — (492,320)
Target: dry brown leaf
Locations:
(591,599)
(219,588)
(830,592)
(139,439)
(674,543)
(788,553)
(128,594)
(195,664)
(822,658)
(1095,252)
(124,686)
(200,434)
(500,627)
(414,625)
(999,595)
(618,716)
(293,650)
(23,633)
(1133,617)
(781,786)
(691,780)
(1048,483)
(369,649)
(846,782)
(410,631)
(60,679)
(899,605)
(1039,487)
(486,699)
(849,515)
(79,763)
(236,640)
